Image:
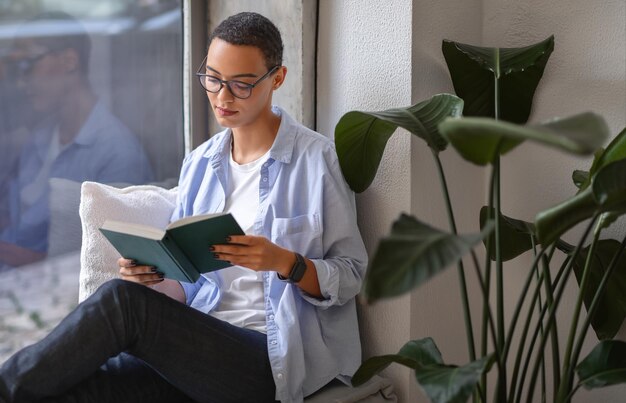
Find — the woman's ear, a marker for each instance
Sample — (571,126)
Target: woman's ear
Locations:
(279,77)
(71,60)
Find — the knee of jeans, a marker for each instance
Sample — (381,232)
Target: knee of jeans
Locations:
(118,289)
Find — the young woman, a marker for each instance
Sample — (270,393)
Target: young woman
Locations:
(278,324)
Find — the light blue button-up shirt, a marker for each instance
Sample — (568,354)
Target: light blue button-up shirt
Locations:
(104,150)
(305,206)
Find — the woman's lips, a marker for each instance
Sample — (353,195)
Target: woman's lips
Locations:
(224,112)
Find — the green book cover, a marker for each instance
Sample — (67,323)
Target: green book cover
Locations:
(181,251)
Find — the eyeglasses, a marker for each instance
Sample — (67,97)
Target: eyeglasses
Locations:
(239,89)
(22,67)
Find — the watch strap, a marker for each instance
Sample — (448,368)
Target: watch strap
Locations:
(297,270)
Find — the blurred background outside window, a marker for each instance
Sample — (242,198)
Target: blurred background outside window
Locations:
(89,91)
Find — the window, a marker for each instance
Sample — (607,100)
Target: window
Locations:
(138,74)
(89,91)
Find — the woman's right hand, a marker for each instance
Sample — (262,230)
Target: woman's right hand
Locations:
(146,275)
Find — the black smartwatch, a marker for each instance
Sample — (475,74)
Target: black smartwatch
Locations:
(297,271)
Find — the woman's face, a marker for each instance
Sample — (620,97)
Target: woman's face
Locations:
(44,74)
(246,64)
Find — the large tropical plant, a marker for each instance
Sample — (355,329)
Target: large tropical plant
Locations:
(495,88)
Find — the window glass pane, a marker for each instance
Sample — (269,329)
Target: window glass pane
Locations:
(89,91)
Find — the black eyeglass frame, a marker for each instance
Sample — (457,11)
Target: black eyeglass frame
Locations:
(250,86)
(24,66)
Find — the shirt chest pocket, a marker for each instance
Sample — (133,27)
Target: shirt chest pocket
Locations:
(302,234)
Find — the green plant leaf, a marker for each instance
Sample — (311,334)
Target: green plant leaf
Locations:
(361,137)
(609,185)
(565,247)
(481,140)
(374,365)
(611,309)
(555,221)
(451,384)
(615,151)
(412,354)
(474,71)
(608,218)
(609,190)
(412,254)
(515,235)
(580,177)
(607,194)
(604,366)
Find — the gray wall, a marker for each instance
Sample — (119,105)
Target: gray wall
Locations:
(364,62)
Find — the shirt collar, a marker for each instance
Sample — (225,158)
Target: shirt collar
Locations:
(281,150)
(96,120)
(87,134)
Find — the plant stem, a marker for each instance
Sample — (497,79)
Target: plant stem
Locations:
(592,310)
(496,194)
(572,392)
(460,268)
(501,385)
(490,320)
(496,76)
(487,320)
(515,379)
(520,350)
(499,357)
(543,379)
(553,330)
(540,280)
(502,381)
(520,303)
(531,347)
(565,384)
(499,274)
(557,299)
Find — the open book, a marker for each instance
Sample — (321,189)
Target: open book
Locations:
(181,251)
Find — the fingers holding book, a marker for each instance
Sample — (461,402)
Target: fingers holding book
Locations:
(131,271)
(254,252)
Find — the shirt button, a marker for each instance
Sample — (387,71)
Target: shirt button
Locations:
(271,317)
(273,342)
(264,179)
(279,375)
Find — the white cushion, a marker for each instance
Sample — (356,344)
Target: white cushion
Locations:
(145,204)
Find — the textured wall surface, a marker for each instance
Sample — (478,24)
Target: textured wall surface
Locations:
(364,62)
(458,20)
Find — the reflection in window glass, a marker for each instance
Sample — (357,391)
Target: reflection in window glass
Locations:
(89,91)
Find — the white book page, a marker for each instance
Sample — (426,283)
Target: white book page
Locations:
(194,218)
(140,230)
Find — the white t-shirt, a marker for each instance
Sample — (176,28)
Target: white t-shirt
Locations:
(241,302)
(34,190)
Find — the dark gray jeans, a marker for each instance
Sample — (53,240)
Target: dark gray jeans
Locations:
(129,343)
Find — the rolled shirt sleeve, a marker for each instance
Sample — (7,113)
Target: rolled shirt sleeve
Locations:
(340,272)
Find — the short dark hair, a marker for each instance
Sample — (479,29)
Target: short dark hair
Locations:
(63,32)
(252,29)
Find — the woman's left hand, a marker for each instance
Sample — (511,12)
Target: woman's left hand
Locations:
(255,252)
